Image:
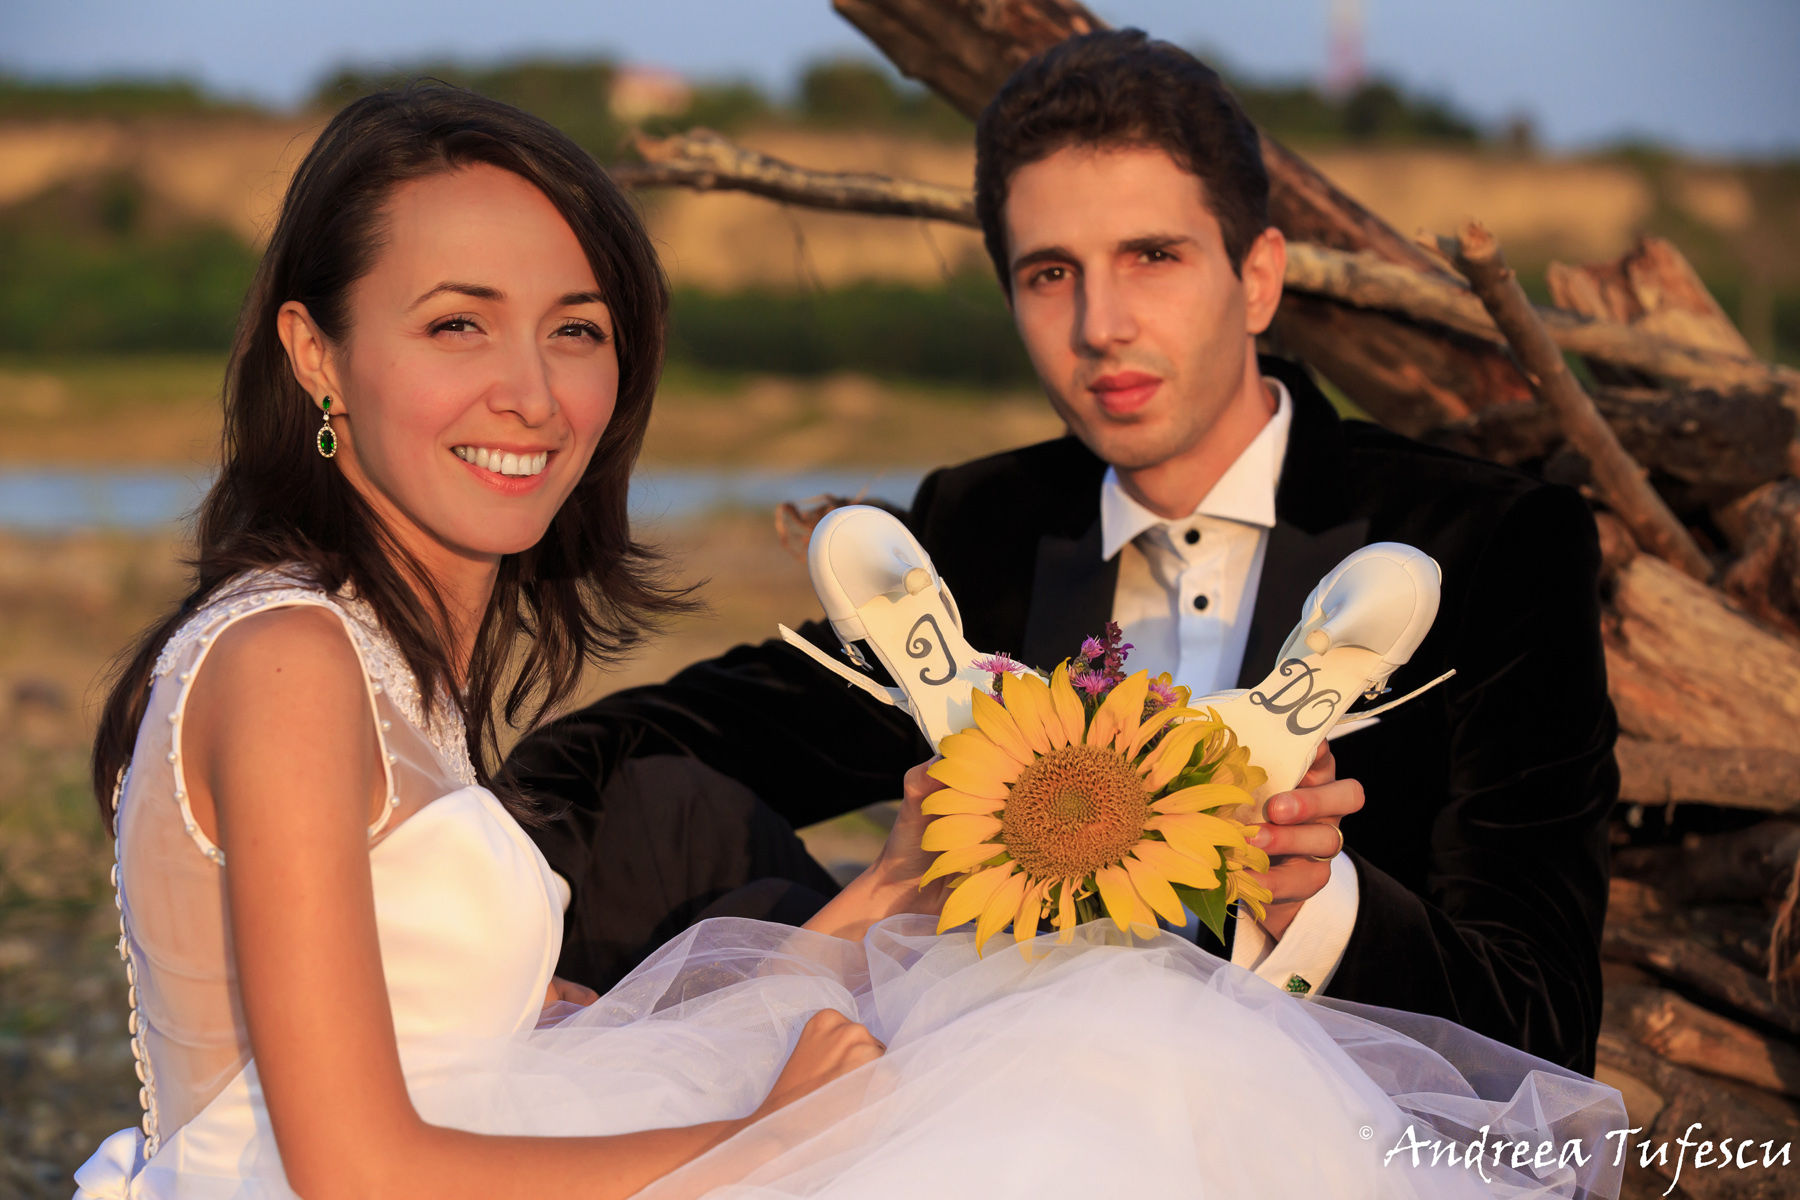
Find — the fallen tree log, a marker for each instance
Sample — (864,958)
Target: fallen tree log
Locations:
(1750,865)
(1683,666)
(1703,448)
(1652,287)
(1618,479)
(1752,777)
(1672,1102)
(1684,1033)
(1765,528)
(1700,969)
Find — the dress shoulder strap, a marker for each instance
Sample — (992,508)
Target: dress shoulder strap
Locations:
(185,653)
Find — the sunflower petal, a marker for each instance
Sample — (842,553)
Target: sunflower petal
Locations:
(1001,907)
(966,902)
(1028,699)
(1201,796)
(992,719)
(1254,857)
(1118,896)
(1025,925)
(1177,867)
(962,829)
(1153,726)
(978,750)
(1121,713)
(971,780)
(1067,705)
(1188,834)
(945,801)
(1171,755)
(955,862)
(1065,912)
(1155,891)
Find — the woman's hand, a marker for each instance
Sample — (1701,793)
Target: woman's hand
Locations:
(831,1045)
(891,883)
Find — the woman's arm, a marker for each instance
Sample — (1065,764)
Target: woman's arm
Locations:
(891,884)
(284,762)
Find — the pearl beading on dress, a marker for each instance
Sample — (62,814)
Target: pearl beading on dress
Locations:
(133,1022)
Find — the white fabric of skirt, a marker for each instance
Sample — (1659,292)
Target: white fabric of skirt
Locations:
(1093,1069)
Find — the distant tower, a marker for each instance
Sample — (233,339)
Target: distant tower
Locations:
(1344,64)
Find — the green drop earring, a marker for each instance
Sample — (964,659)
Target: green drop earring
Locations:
(327,440)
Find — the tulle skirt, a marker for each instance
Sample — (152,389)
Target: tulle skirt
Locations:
(1093,1069)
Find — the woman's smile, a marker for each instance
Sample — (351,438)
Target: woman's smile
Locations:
(512,471)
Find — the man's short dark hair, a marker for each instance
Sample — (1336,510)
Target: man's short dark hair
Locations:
(1121,88)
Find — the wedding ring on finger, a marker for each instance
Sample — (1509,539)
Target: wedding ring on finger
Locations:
(1334,853)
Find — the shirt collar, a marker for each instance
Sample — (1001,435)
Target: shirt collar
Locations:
(1246,492)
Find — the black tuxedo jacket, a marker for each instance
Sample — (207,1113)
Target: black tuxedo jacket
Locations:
(1481,852)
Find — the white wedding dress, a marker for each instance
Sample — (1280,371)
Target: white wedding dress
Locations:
(1095,1069)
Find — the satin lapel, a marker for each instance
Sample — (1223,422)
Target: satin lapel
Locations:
(1292,567)
(1071,597)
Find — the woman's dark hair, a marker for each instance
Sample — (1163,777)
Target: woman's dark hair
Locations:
(1120,88)
(586,591)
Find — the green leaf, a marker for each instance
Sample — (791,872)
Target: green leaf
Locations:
(1208,905)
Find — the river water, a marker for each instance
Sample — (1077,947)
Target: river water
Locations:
(61,500)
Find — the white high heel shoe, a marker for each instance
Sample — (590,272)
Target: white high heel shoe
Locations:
(1362,623)
(878,586)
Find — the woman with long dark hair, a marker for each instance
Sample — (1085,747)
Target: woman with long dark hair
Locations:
(440,385)
(339,938)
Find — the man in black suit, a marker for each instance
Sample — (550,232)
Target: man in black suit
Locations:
(1201,494)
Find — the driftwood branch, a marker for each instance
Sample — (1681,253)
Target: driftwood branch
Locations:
(1746,865)
(1697,968)
(705,161)
(1667,1100)
(1683,1032)
(1617,477)
(1752,777)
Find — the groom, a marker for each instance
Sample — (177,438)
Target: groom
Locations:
(1201,494)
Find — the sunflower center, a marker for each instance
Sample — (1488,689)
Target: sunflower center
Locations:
(1073,811)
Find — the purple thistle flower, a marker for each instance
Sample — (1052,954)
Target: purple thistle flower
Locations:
(999,666)
(1163,694)
(1093,683)
(1091,649)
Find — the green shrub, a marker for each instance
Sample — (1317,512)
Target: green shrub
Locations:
(961,332)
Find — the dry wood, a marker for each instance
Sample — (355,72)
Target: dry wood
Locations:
(1748,865)
(705,161)
(1697,968)
(1654,288)
(1617,477)
(1670,1100)
(1702,448)
(1683,666)
(1750,777)
(1685,1033)
(965,49)
(1372,349)
(1764,527)
(1367,281)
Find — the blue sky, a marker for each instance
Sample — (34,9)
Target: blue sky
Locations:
(1712,76)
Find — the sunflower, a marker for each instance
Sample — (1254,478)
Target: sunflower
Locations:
(1120,805)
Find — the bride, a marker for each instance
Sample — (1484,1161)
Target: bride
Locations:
(341,943)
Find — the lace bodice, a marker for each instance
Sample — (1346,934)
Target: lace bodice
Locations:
(187,1026)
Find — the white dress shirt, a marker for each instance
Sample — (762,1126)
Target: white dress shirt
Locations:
(1186,592)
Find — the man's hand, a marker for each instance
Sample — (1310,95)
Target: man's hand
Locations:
(1300,828)
(565,992)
